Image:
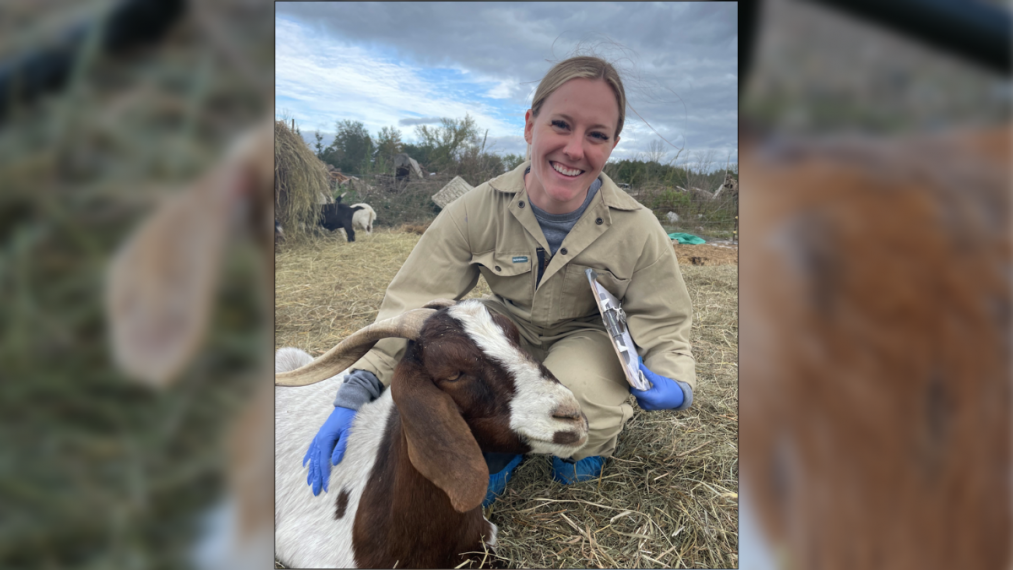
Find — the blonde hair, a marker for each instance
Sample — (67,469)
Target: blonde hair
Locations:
(585,67)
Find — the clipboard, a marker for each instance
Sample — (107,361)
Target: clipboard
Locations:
(615,323)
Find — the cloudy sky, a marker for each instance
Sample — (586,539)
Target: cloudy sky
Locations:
(406,64)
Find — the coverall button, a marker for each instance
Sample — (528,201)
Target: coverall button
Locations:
(498,268)
(563,251)
(599,221)
(520,204)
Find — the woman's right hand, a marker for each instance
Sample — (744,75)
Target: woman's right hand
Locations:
(328,448)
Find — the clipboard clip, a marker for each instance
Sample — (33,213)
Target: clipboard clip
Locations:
(615,322)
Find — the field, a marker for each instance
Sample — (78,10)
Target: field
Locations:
(667,499)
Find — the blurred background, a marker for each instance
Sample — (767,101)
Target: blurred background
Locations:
(109,109)
(875,285)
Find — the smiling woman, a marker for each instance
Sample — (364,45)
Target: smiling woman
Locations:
(531,234)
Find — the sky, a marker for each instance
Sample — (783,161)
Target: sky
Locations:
(411,63)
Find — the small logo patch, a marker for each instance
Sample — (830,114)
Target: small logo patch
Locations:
(520,258)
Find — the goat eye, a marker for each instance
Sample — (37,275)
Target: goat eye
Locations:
(453,377)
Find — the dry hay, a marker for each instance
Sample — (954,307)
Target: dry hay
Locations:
(299,179)
(706,254)
(669,496)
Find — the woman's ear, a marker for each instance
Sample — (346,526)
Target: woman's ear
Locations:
(529,125)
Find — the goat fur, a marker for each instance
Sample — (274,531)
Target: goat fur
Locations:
(364,218)
(875,359)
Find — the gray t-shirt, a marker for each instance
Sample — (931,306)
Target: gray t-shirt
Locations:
(556,226)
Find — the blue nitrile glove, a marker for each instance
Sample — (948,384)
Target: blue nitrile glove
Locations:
(335,429)
(666,394)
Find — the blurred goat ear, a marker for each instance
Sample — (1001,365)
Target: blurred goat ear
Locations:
(162,281)
(440,444)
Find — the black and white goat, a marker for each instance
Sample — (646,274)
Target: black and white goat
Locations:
(335,216)
(364,218)
(409,489)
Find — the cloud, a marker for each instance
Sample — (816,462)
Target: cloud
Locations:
(406,63)
(422,121)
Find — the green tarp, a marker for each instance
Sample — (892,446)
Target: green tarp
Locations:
(687,238)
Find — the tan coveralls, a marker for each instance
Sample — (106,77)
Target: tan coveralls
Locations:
(492,231)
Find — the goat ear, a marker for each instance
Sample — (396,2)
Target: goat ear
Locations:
(161,283)
(440,444)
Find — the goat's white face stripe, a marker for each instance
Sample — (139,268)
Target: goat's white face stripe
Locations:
(532,406)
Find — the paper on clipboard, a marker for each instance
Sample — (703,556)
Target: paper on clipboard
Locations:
(615,323)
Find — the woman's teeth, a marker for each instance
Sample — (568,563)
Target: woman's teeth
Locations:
(564,171)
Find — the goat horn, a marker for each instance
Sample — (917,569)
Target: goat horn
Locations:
(348,351)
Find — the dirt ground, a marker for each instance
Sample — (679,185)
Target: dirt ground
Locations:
(707,254)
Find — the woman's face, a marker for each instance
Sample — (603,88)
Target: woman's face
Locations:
(574,133)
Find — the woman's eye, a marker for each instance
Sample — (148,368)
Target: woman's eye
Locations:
(560,124)
(601,136)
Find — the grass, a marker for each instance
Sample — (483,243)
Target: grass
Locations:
(668,498)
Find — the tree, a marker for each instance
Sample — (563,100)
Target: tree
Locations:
(702,175)
(388,144)
(446,144)
(656,152)
(353,146)
(512,161)
(319,144)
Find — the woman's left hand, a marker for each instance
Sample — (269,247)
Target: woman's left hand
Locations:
(665,394)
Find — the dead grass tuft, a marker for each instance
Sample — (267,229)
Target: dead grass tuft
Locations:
(707,254)
(669,496)
(414,228)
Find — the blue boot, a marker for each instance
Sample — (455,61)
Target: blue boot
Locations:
(498,481)
(567,471)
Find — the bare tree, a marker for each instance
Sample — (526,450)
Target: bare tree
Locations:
(656,151)
(698,173)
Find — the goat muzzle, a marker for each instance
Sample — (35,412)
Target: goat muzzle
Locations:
(567,411)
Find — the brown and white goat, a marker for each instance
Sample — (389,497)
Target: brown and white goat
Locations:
(409,489)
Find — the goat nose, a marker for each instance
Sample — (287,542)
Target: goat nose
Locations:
(567,412)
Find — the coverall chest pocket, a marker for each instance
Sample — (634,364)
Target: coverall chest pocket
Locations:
(508,275)
(578,301)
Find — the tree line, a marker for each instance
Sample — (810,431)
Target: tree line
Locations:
(457,147)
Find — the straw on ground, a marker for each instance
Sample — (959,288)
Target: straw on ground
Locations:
(668,498)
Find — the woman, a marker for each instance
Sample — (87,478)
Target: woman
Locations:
(531,233)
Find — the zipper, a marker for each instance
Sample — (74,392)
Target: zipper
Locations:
(543,262)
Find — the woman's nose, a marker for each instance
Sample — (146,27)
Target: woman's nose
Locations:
(574,149)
